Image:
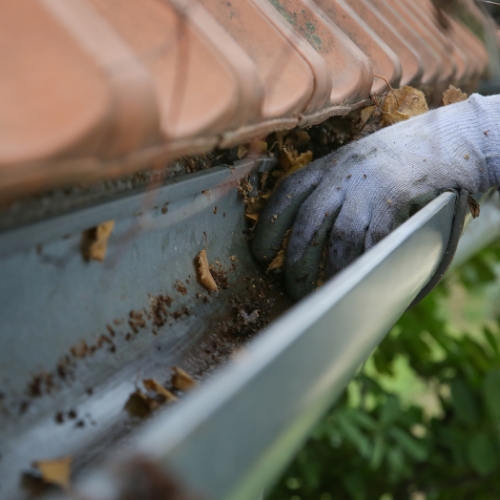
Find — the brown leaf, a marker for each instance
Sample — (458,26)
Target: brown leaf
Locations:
(95,241)
(140,405)
(280,137)
(80,350)
(365,115)
(287,158)
(474,207)
(255,204)
(300,161)
(401,104)
(254,217)
(203,272)
(279,259)
(258,146)
(452,95)
(152,385)
(242,151)
(56,471)
(182,380)
(244,187)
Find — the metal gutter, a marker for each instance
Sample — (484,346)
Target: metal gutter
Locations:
(230,438)
(482,232)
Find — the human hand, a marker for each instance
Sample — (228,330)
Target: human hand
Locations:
(352,198)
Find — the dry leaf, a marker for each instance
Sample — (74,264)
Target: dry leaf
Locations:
(301,161)
(56,471)
(242,151)
(287,158)
(95,241)
(255,205)
(474,207)
(80,350)
(401,104)
(280,138)
(244,188)
(182,380)
(365,115)
(452,95)
(258,146)
(203,272)
(279,259)
(152,385)
(291,161)
(254,217)
(140,405)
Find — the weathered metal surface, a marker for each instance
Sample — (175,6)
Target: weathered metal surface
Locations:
(230,438)
(76,336)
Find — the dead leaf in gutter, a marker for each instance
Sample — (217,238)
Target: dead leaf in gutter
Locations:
(152,385)
(56,471)
(280,137)
(258,146)
(95,241)
(300,162)
(182,380)
(365,115)
(203,272)
(287,158)
(244,188)
(290,160)
(140,405)
(255,205)
(254,217)
(279,260)
(474,207)
(242,151)
(402,104)
(452,95)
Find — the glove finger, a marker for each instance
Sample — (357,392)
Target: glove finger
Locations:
(381,225)
(280,211)
(347,237)
(414,205)
(307,240)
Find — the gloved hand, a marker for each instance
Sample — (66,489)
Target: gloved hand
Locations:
(357,195)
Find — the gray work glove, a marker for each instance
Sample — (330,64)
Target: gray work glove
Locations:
(355,196)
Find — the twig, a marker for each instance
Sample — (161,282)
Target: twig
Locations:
(389,85)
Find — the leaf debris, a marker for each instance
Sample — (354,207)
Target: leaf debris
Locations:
(56,471)
(452,95)
(203,272)
(152,385)
(182,380)
(402,104)
(244,188)
(242,151)
(279,259)
(95,241)
(140,405)
(290,160)
(474,207)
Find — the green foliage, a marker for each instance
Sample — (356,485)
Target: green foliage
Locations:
(436,435)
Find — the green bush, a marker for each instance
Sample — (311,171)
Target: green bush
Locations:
(422,418)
